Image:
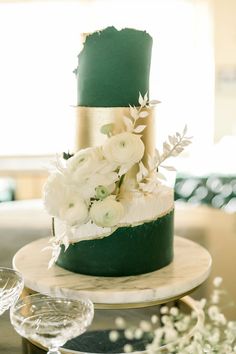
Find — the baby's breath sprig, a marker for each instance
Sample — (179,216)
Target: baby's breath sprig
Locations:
(175,332)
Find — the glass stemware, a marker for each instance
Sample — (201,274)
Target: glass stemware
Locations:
(11,286)
(51,321)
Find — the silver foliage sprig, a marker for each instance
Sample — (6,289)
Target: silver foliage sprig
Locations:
(172,148)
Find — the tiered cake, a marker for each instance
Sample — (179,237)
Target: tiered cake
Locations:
(112,214)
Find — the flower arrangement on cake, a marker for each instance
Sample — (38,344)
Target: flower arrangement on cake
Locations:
(91,186)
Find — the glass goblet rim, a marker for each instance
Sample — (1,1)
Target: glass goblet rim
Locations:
(80,313)
(40,298)
(12,270)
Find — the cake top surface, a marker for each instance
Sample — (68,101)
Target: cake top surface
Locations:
(111,31)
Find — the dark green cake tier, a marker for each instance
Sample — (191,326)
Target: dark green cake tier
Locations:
(113,68)
(128,251)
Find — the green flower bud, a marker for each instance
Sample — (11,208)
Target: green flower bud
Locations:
(107,129)
(101,192)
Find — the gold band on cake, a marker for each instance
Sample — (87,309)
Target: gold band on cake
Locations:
(89,121)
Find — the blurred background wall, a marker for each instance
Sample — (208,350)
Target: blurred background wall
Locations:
(193,74)
(225,67)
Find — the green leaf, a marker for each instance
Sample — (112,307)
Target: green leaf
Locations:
(67,156)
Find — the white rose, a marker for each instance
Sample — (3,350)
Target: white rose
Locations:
(75,213)
(124,149)
(106,213)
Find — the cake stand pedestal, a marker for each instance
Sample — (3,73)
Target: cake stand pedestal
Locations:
(189,269)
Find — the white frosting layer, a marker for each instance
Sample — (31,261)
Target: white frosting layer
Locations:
(138,209)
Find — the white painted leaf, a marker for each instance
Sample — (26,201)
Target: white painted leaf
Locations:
(128,123)
(174,153)
(161,176)
(178,135)
(186,143)
(130,118)
(175,139)
(134,112)
(171,139)
(168,168)
(185,130)
(157,156)
(139,128)
(141,100)
(166,146)
(154,102)
(143,114)
(146,97)
(179,149)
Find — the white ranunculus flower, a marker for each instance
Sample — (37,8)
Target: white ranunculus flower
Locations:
(98,179)
(56,193)
(86,187)
(75,213)
(106,213)
(124,149)
(85,162)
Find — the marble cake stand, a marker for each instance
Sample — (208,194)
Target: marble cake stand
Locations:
(190,268)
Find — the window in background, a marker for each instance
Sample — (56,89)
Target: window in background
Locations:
(39,44)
